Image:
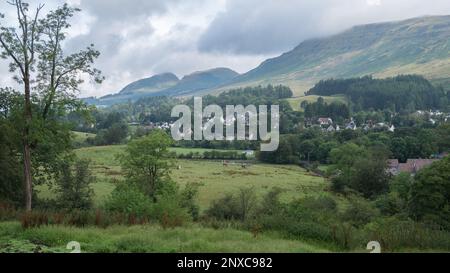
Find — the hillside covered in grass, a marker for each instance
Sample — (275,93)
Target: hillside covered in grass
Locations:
(414,46)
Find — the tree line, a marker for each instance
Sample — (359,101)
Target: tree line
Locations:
(401,93)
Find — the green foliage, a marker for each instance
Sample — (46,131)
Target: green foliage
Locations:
(401,93)
(169,211)
(188,200)
(225,208)
(115,134)
(147,162)
(430,194)
(399,234)
(129,200)
(335,111)
(40,65)
(11,189)
(360,169)
(359,213)
(144,239)
(74,186)
(238,206)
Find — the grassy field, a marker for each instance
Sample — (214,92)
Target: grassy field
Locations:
(215,180)
(295,102)
(79,137)
(144,239)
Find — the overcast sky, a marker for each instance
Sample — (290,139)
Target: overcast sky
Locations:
(140,38)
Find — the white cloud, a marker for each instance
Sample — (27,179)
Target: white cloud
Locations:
(374,2)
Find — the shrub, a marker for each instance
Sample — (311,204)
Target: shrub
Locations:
(169,212)
(320,204)
(359,213)
(74,186)
(271,204)
(188,200)
(226,208)
(7,211)
(79,218)
(34,219)
(234,207)
(128,200)
(396,234)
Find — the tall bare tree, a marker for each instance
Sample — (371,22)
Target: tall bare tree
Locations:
(35,50)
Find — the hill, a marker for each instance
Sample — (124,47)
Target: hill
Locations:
(168,84)
(414,46)
(202,80)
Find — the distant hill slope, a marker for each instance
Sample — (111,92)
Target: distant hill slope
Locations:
(414,46)
(139,89)
(168,85)
(153,84)
(202,80)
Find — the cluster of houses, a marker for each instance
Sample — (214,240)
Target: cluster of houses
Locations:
(327,125)
(153,125)
(434,116)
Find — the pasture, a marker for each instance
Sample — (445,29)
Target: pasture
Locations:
(296,102)
(214,179)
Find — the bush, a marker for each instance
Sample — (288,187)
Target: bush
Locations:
(188,197)
(79,218)
(396,234)
(359,213)
(234,207)
(73,183)
(128,200)
(169,212)
(7,211)
(226,208)
(34,219)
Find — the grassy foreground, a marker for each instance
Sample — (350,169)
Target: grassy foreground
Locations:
(144,239)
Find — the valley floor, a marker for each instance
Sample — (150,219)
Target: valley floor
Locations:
(214,179)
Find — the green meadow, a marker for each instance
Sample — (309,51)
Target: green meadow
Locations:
(213,178)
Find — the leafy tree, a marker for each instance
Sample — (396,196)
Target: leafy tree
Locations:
(402,93)
(361,169)
(116,134)
(188,200)
(38,63)
(11,189)
(430,194)
(130,200)
(74,185)
(371,178)
(147,162)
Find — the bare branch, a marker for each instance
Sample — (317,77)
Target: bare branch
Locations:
(33,31)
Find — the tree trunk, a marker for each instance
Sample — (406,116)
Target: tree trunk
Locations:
(26,147)
(27,175)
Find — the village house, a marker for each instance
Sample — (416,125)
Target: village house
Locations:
(412,166)
(351,125)
(325,121)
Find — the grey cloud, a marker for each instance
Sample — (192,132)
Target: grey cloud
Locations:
(113,10)
(267,26)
